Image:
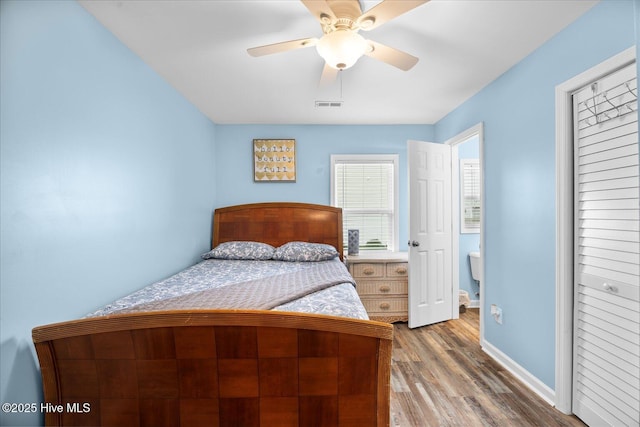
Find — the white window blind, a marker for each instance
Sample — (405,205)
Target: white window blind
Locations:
(470,195)
(364,187)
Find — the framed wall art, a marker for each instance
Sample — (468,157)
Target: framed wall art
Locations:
(274,160)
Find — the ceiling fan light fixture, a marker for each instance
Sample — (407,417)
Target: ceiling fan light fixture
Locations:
(341,48)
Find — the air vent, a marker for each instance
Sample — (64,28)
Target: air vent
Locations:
(328,104)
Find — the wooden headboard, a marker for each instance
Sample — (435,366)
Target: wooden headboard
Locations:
(277,223)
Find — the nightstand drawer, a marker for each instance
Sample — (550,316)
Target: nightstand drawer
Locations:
(381,288)
(397,269)
(381,305)
(382,283)
(368,270)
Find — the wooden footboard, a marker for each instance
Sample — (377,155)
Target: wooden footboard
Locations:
(215,368)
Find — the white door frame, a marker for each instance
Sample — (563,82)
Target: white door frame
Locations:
(455,210)
(564,220)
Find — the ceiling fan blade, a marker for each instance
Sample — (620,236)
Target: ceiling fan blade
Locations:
(329,75)
(385,11)
(320,8)
(282,47)
(391,56)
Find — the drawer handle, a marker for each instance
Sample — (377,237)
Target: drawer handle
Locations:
(385,306)
(368,271)
(385,288)
(401,270)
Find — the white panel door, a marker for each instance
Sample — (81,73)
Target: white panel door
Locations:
(430,245)
(606,357)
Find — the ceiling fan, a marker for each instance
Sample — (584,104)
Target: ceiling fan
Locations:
(341,45)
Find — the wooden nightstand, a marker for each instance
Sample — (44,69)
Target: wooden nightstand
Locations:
(382,283)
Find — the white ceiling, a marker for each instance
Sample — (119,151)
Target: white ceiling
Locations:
(199,47)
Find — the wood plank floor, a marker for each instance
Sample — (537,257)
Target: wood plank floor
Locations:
(441,377)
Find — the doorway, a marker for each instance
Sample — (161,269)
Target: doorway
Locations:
(467,144)
(434,221)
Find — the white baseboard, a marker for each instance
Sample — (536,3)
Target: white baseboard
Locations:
(537,386)
(474,303)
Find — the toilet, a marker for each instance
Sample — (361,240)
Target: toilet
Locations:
(474,260)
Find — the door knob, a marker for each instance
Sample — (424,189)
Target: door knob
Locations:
(413,243)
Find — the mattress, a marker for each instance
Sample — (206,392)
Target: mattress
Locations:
(216,275)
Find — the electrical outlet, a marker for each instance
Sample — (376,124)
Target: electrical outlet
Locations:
(496,312)
(498,316)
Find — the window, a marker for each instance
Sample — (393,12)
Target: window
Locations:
(366,188)
(470,196)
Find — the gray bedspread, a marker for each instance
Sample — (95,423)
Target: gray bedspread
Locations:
(310,287)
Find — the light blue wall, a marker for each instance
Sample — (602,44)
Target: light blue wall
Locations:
(468,242)
(314,145)
(107,174)
(519,155)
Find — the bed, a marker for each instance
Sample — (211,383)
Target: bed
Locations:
(159,364)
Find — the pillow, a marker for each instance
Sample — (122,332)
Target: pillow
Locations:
(304,251)
(241,250)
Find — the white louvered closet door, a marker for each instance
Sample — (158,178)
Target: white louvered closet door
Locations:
(606,359)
